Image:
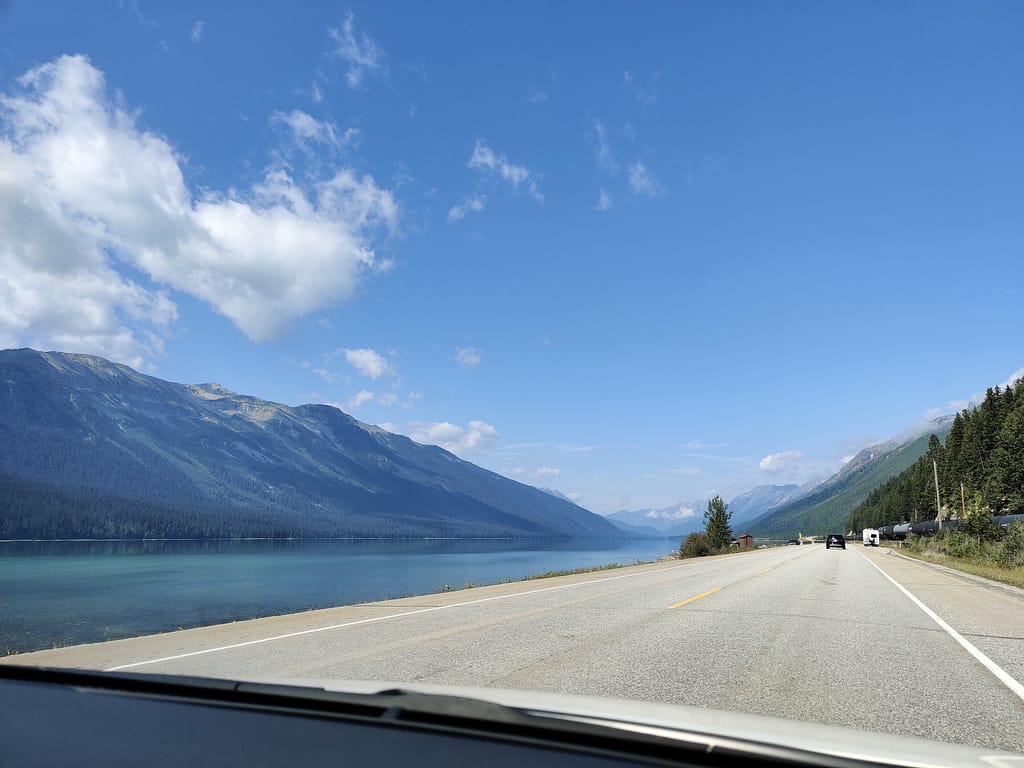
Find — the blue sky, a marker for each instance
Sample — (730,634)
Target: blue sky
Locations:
(638,253)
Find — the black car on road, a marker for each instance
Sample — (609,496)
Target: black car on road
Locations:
(835,540)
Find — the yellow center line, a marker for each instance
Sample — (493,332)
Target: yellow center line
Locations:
(695,597)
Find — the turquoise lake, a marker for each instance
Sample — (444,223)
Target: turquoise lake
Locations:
(66,593)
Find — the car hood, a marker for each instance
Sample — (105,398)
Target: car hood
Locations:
(711,728)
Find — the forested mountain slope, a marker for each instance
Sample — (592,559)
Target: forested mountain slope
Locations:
(96,449)
(981,463)
(828,507)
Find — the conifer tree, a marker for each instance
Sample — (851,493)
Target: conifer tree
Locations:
(717,527)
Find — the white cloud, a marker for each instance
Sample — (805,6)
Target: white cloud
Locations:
(955,406)
(477,437)
(685,513)
(326,375)
(486,159)
(386,399)
(604,202)
(197,31)
(83,189)
(1013,379)
(474,203)
(362,54)
(368,362)
(680,512)
(358,399)
(549,471)
(468,357)
(536,96)
(132,6)
(411,399)
(776,462)
(640,181)
(513,471)
(307,130)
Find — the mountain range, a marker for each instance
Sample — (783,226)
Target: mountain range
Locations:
(826,508)
(95,449)
(686,517)
(782,511)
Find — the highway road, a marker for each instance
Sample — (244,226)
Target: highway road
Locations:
(859,638)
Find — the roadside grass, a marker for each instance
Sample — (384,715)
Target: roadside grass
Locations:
(729,551)
(591,569)
(988,552)
(976,566)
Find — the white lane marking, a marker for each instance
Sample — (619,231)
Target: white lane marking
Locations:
(385,618)
(991,666)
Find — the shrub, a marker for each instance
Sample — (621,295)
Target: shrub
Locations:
(1010,553)
(696,545)
(962,545)
(978,522)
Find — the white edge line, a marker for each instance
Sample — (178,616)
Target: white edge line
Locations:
(991,666)
(382,618)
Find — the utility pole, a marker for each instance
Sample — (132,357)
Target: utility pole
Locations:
(938,501)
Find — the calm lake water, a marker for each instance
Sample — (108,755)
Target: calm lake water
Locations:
(65,593)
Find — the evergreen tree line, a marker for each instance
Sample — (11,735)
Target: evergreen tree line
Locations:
(34,510)
(980,468)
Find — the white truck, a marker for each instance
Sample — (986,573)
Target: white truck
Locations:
(870,537)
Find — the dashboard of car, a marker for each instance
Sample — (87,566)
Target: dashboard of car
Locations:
(73,717)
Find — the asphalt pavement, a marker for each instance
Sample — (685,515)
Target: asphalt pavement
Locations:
(804,633)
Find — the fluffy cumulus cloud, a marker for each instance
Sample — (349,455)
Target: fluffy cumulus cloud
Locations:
(479,436)
(777,462)
(549,471)
(604,201)
(368,362)
(84,191)
(360,52)
(468,357)
(680,512)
